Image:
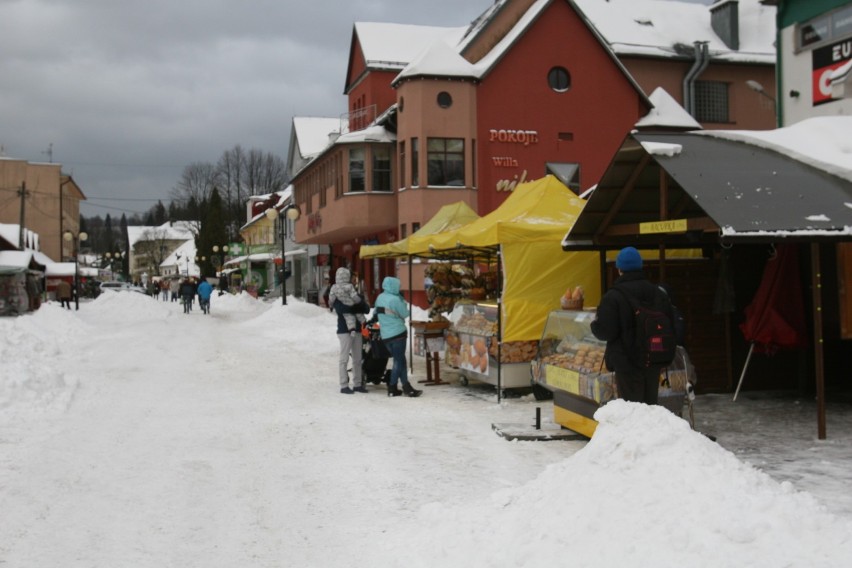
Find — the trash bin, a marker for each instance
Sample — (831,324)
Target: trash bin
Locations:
(313,297)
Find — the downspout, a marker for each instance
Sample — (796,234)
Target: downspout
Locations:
(702,59)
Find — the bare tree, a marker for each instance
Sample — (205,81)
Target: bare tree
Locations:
(197,181)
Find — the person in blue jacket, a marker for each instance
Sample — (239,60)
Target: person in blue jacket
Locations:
(205,290)
(392,310)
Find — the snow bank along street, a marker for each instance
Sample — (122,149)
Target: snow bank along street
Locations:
(135,435)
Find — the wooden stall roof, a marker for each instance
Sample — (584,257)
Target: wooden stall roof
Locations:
(688,189)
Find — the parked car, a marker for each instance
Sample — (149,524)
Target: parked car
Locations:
(120,287)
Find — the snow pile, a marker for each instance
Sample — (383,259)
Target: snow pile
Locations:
(307,327)
(33,377)
(230,303)
(129,308)
(647,488)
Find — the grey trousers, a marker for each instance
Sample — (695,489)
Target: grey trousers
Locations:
(350,344)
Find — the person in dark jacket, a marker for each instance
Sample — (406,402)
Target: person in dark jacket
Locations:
(350,343)
(187,293)
(614,323)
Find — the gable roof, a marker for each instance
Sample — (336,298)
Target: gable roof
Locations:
(168,231)
(724,186)
(667,114)
(662,28)
(390,47)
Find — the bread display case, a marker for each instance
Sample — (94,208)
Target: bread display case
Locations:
(472,347)
(570,364)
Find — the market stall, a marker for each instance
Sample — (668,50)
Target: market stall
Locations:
(448,281)
(569,363)
(494,341)
(20,277)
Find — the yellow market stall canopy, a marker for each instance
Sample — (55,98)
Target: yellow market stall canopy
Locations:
(528,228)
(448,218)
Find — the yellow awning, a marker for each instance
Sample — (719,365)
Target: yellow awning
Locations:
(449,218)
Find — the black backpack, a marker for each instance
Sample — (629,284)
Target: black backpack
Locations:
(655,341)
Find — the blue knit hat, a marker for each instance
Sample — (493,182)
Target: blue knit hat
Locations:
(628,259)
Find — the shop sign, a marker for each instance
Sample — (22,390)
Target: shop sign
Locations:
(504,162)
(523,137)
(510,185)
(825,60)
(563,379)
(672,226)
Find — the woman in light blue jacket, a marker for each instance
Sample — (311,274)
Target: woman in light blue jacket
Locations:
(392,310)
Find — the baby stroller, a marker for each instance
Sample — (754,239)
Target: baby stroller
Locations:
(374,355)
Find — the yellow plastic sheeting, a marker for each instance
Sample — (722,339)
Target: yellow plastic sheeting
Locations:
(536,276)
(449,218)
(539,210)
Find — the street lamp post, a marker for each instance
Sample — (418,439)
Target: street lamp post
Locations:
(219,260)
(76,239)
(112,259)
(292,213)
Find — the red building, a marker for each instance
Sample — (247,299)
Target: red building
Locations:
(439,115)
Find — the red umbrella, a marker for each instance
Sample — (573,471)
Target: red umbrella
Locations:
(775,318)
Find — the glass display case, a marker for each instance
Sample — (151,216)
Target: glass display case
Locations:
(472,348)
(570,364)
(570,357)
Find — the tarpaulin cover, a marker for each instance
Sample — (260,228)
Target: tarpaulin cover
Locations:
(528,227)
(775,318)
(448,218)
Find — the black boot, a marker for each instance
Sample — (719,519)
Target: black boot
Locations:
(410,390)
(393,391)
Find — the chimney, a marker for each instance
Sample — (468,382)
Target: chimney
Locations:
(725,19)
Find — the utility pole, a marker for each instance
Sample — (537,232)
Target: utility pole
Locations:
(23,193)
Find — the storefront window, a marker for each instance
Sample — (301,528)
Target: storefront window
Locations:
(356,169)
(381,168)
(445,157)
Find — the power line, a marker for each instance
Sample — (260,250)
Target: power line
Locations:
(90,197)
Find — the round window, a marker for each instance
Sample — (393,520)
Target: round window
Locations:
(559,79)
(445,100)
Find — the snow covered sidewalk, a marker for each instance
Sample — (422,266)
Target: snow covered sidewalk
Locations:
(135,435)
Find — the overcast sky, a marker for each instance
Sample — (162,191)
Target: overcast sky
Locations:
(127,93)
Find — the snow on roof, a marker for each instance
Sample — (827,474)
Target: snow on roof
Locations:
(16,258)
(438,59)
(170,231)
(373,133)
(10,233)
(395,45)
(667,113)
(313,133)
(822,142)
(656,27)
(662,149)
(61,269)
(179,257)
